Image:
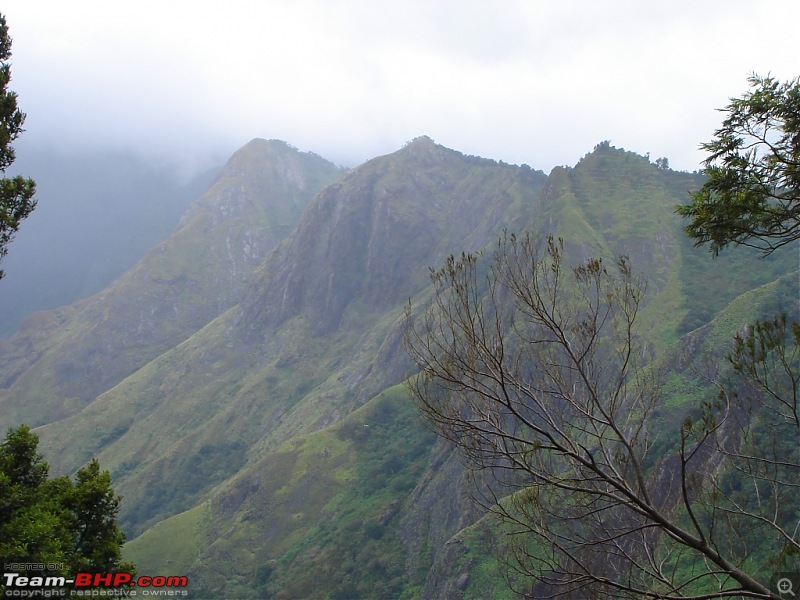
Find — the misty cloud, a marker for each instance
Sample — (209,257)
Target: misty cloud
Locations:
(532,82)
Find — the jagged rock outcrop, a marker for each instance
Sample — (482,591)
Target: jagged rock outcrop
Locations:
(370,236)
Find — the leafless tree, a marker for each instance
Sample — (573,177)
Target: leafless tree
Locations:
(537,372)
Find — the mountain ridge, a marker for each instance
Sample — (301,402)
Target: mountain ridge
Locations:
(401,208)
(224,352)
(283,414)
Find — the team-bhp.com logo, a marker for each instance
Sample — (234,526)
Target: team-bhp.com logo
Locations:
(92,584)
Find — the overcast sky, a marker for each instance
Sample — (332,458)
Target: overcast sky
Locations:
(536,82)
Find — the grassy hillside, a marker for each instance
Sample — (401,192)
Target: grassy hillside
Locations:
(314,518)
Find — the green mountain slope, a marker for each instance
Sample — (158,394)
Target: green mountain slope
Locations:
(435,533)
(300,351)
(264,446)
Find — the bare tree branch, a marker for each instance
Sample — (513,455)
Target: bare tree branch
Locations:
(533,370)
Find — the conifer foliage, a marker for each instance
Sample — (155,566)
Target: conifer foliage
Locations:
(16,193)
(62,526)
(751,195)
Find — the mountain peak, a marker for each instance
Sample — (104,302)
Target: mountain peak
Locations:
(276,159)
(366,236)
(422,145)
(424,150)
(273,144)
(258,149)
(421,142)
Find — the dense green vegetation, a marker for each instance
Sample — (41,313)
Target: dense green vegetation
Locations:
(752,193)
(333,500)
(535,368)
(62,526)
(355,551)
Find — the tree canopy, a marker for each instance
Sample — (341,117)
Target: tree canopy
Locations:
(752,194)
(63,526)
(16,193)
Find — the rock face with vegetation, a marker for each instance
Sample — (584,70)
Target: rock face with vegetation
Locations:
(243,382)
(60,360)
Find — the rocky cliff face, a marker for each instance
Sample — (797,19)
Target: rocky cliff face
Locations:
(371,236)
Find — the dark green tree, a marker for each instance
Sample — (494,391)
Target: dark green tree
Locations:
(752,195)
(66,527)
(16,193)
(93,508)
